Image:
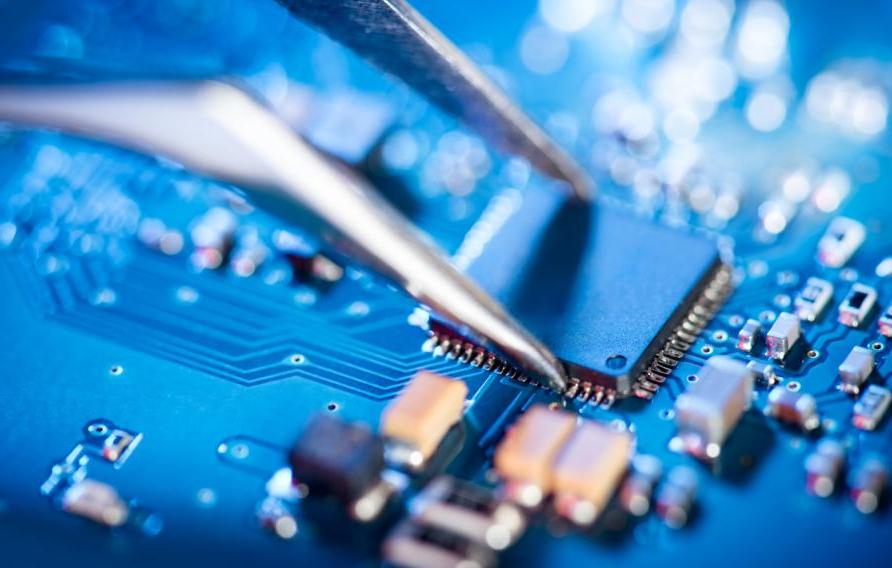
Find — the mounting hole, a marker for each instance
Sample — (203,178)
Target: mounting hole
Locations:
(240,451)
(849,274)
(206,497)
(358,309)
(116,370)
(616,361)
(332,406)
(794,386)
(812,354)
(877,346)
(767,316)
(787,278)
(706,350)
(97,428)
(692,378)
(186,295)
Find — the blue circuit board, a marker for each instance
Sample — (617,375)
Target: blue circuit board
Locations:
(118,321)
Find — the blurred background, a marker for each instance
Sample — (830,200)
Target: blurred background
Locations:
(755,118)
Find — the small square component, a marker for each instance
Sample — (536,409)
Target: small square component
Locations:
(871,407)
(813,299)
(424,412)
(854,370)
(470,511)
(589,469)
(96,501)
(856,308)
(797,408)
(709,410)
(764,373)
(748,335)
(843,237)
(782,336)
(528,450)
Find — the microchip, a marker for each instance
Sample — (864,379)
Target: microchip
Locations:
(610,293)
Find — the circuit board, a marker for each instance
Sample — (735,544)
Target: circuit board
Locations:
(173,357)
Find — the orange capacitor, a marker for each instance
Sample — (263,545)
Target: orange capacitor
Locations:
(592,463)
(528,451)
(425,411)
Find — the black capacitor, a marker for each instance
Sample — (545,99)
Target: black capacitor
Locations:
(337,458)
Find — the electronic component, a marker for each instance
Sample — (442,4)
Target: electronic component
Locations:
(213,375)
(249,253)
(856,308)
(470,511)
(305,258)
(213,236)
(782,336)
(823,467)
(707,412)
(588,470)
(154,234)
(867,481)
(871,407)
(813,299)
(418,419)
(842,238)
(797,408)
(96,501)
(749,335)
(414,545)
(854,370)
(274,515)
(115,444)
(635,494)
(109,442)
(527,452)
(885,322)
(764,373)
(676,495)
(598,266)
(345,460)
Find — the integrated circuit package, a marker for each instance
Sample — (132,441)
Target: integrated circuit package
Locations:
(617,298)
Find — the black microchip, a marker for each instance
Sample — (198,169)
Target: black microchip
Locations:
(602,288)
(333,457)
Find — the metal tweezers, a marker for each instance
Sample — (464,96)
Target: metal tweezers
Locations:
(218,129)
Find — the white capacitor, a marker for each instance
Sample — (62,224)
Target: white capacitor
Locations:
(748,335)
(843,237)
(782,336)
(707,412)
(854,370)
(855,309)
(871,407)
(813,299)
